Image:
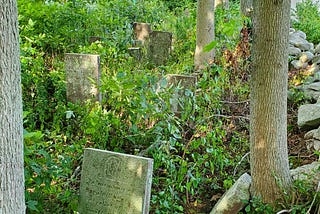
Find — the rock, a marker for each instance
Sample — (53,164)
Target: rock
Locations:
(309,135)
(301,34)
(306,56)
(309,116)
(316,77)
(317,49)
(313,144)
(312,90)
(308,172)
(234,199)
(299,42)
(316,59)
(314,68)
(293,51)
(297,64)
(298,39)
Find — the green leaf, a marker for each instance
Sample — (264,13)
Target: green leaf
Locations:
(210,46)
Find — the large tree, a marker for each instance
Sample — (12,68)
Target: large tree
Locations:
(205,33)
(268,128)
(11,130)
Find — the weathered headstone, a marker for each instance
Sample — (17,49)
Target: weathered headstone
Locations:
(114,183)
(83,77)
(136,53)
(159,47)
(141,31)
(182,84)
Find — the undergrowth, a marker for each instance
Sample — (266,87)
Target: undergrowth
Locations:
(199,154)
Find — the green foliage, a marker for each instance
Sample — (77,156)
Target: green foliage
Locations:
(197,152)
(308,20)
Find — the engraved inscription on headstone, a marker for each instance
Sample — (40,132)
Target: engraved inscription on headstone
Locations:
(83,77)
(114,183)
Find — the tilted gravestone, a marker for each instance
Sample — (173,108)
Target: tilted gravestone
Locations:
(114,183)
(159,47)
(182,84)
(83,77)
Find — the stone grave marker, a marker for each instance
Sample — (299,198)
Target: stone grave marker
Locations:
(83,77)
(114,183)
(141,31)
(159,47)
(181,83)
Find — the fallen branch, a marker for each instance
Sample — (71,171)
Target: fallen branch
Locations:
(228,117)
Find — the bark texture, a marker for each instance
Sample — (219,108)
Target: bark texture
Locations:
(205,33)
(268,128)
(11,130)
(246,7)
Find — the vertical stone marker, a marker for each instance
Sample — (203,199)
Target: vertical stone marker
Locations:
(83,77)
(184,83)
(114,183)
(159,47)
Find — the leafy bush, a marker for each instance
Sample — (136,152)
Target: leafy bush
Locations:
(308,20)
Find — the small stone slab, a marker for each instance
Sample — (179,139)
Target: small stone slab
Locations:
(234,199)
(159,47)
(83,77)
(115,183)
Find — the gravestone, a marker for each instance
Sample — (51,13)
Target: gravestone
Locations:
(141,31)
(159,47)
(114,183)
(182,84)
(83,77)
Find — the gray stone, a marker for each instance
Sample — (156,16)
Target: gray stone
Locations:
(312,90)
(234,199)
(316,77)
(314,68)
(83,77)
(297,64)
(159,47)
(136,53)
(114,183)
(306,56)
(293,51)
(297,41)
(316,59)
(313,144)
(302,34)
(309,116)
(309,172)
(309,135)
(317,49)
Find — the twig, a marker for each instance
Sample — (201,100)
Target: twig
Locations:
(227,116)
(235,169)
(230,102)
(314,199)
(284,211)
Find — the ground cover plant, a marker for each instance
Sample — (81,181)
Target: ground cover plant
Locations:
(199,154)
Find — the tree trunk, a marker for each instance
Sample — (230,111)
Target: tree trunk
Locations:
(11,130)
(205,33)
(246,7)
(268,128)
